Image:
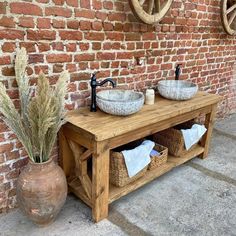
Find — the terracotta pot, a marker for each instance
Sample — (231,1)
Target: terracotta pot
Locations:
(41,191)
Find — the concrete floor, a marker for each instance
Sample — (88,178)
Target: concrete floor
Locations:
(197,198)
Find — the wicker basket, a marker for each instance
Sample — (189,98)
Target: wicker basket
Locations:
(160,159)
(118,171)
(172,138)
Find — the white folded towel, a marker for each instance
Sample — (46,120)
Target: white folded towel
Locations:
(137,158)
(193,135)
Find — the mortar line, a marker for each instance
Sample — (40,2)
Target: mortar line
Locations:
(211,173)
(128,227)
(219,132)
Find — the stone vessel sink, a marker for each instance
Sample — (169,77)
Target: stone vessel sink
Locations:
(177,89)
(120,102)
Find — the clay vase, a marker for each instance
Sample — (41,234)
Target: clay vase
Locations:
(41,191)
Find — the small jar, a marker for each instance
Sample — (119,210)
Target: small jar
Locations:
(150,97)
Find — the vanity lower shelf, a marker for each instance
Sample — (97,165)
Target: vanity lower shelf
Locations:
(172,162)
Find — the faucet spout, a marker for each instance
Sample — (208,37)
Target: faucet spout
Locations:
(113,83)
(94,84)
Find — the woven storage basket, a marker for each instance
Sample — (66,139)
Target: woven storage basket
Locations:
(118,171)
(158,160)
(172,138)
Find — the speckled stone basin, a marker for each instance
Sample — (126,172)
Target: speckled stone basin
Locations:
(177,89)
(120,102)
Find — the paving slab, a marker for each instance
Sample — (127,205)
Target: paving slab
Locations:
(228,125)
(197,198)
(73,220)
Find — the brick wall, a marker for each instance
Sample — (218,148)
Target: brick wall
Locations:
(93,35)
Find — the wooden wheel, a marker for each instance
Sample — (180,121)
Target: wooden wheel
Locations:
(228,15)
(150,11)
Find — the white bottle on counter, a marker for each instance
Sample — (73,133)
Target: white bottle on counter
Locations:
(150,97)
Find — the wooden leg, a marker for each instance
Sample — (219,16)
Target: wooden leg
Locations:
(209,123)
(100,181)
(66,159)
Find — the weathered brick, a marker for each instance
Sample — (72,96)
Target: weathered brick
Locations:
(3,7)
(44,23)
(5,60)
(8,47)
(105,56)
(96,36)
(7,22)
(59,24)
(25,8)
(73,24)
(11,34)
(85,13)
(70,35)
(58,2)
(58,58)
(73,3)
(85,4)
(41,35)
(58,11)
(27,22)
(85,57)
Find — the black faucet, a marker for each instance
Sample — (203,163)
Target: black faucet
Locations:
(177,71)
(94,84)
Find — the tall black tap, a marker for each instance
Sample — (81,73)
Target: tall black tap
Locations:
(94,84)
(177,71)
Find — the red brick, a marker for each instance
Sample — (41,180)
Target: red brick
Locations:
(85,14)
(30,47)
(59,46)
(71,68)
(85,25)
(73,24)
(73,3)
(44,23)
(85,4)
(59,24)
(7,22)
(107,26)
(58,11)
(84,46)
(70,35)
(8,47)
(35,58)
(11,34)
(8,71)
(85,57)
(3,7)
(97,25)
(58,2)
(105,56)
(71,47)
(41,35)
(27,22)
(25,8)
(39,69)
(108,5)
(101,15)
(5,60)
(97,4)
(43,47)
(94,36)
(116,17)
(59,58)
(57,68)
(20,163)
(96,46)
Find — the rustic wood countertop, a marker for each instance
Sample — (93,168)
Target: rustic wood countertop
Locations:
(104,126)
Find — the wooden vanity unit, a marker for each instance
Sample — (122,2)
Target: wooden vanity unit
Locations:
(91,135)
